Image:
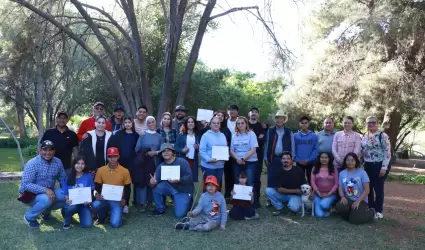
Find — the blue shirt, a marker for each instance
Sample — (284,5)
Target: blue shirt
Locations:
(208,141)
(352,183)
(86,180)
(325,141)
(127,148)
(243,143)
(39,174)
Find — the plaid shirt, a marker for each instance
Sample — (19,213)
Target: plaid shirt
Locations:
(170,137)
(40,174)
(343,144)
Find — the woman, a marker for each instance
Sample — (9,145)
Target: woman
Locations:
(150,140)
(166,130)
(78,178)
(212,138)
(125,140)
(94,146)
(345,141)
(376,149)
(354,189)
(324,181)
(243,149)
(187,145)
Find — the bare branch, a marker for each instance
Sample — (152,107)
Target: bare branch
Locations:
(233,10)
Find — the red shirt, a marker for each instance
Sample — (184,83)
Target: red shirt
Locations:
(89,124)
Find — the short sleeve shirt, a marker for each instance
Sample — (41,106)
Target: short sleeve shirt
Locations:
(242,143)
(352,183)
(292,178)
(118,176)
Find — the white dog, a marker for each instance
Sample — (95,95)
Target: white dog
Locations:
(305,198)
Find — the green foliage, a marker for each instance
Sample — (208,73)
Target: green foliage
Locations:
(30,151)
(409,178)
(23,142)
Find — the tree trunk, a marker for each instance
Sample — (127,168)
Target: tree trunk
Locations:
(39,85)
(49,111)
(391,123)
(194,53)
(19,104)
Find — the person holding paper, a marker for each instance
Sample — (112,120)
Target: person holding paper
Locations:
(213,137)
(180,189)
(111,174)
(243,149)
(187,145)
(242,209)
(78,178)
(288,191)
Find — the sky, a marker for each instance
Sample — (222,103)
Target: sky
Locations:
(242,43)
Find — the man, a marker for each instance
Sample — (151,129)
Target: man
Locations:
(37,188)
(180,115)
(233,112)
(181,190)
(305,147)
(326,136)
(111,174)
(278,140)
(288,190)
(89,123)
(260,130)
(65,140)
(116,119)
(140,123)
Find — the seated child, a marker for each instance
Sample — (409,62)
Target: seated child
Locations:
(242,209)
(213,206)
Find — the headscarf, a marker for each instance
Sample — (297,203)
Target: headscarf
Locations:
(146,123)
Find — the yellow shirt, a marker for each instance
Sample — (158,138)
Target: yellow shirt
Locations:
(118,176)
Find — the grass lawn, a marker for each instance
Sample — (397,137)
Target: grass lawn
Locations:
(142,232)
(9,160)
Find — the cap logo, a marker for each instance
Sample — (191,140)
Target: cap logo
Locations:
(48,143)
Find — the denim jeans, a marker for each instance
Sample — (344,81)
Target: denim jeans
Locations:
(322,205)
(101,208)
(141,195)
(83,212)
(376,194)
(42,205)
(218,173)
(277,199)
(181,200)
(249,168)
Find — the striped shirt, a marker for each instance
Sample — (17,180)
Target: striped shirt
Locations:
(343,144)
(40,174)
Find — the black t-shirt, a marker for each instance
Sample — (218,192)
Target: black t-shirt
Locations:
(291,179)
(64,143)
(258,130)
(100,151)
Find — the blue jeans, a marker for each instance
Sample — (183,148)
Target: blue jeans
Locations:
(83,212)
(218,173)
(277,199)
(42,205)
(181,200)
(322,205)
(141,195)
(249,168)
(101,208)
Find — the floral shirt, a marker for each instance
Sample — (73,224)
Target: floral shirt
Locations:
(376,149)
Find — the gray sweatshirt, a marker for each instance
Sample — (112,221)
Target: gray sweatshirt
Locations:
(213,206)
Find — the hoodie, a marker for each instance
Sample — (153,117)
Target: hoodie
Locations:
(305,147)
(213,206)
(208,140)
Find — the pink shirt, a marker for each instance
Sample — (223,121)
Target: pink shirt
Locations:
(323,182)
(343,144)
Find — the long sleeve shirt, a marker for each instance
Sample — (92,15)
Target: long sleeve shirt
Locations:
(213,206)
(343,144)
(376,148)
(279,147)
(323,182)
(39,174)
(86,180)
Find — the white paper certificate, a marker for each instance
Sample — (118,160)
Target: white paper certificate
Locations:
(170,173)
(242,192)
(204,115)
(80,195)
(112,192)
(220,153)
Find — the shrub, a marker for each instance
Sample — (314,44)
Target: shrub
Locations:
(30,151)
(24,142)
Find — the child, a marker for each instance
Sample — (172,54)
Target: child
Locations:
(79,177)
(213,206)
(242,209)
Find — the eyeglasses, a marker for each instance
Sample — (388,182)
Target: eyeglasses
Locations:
(371,123)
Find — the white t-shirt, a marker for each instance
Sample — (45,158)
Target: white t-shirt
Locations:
(231,125)
(190,142)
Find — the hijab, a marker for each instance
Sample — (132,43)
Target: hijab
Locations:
(146,123)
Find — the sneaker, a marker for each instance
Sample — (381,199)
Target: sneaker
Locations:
(32,223)
(141,209)
(277,213)
(66,226)
(125,210)
(99,222)
(181,226)
(156,213)
(185,219)
(379,215)
(255,217)
(150,207)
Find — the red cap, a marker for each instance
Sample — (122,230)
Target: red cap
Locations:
(211,179)
(112,151)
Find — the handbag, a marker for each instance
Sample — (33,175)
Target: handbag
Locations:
(26,197)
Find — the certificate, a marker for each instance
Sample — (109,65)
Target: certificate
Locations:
(170,173)
(242,192)
(204,115)
(112,192)
(80,195)
(220,153)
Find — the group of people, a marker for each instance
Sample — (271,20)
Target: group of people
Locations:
(129,152)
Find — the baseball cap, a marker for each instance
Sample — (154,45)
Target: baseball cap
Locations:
(112,151)
(62,113)
(98,103)
(180,107)
(254,108)
(233,106)
(47,144)
(211,179)
(119,107)
(165,146)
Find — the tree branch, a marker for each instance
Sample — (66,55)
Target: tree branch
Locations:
(233,10)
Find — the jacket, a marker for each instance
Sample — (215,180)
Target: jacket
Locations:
(88,148)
